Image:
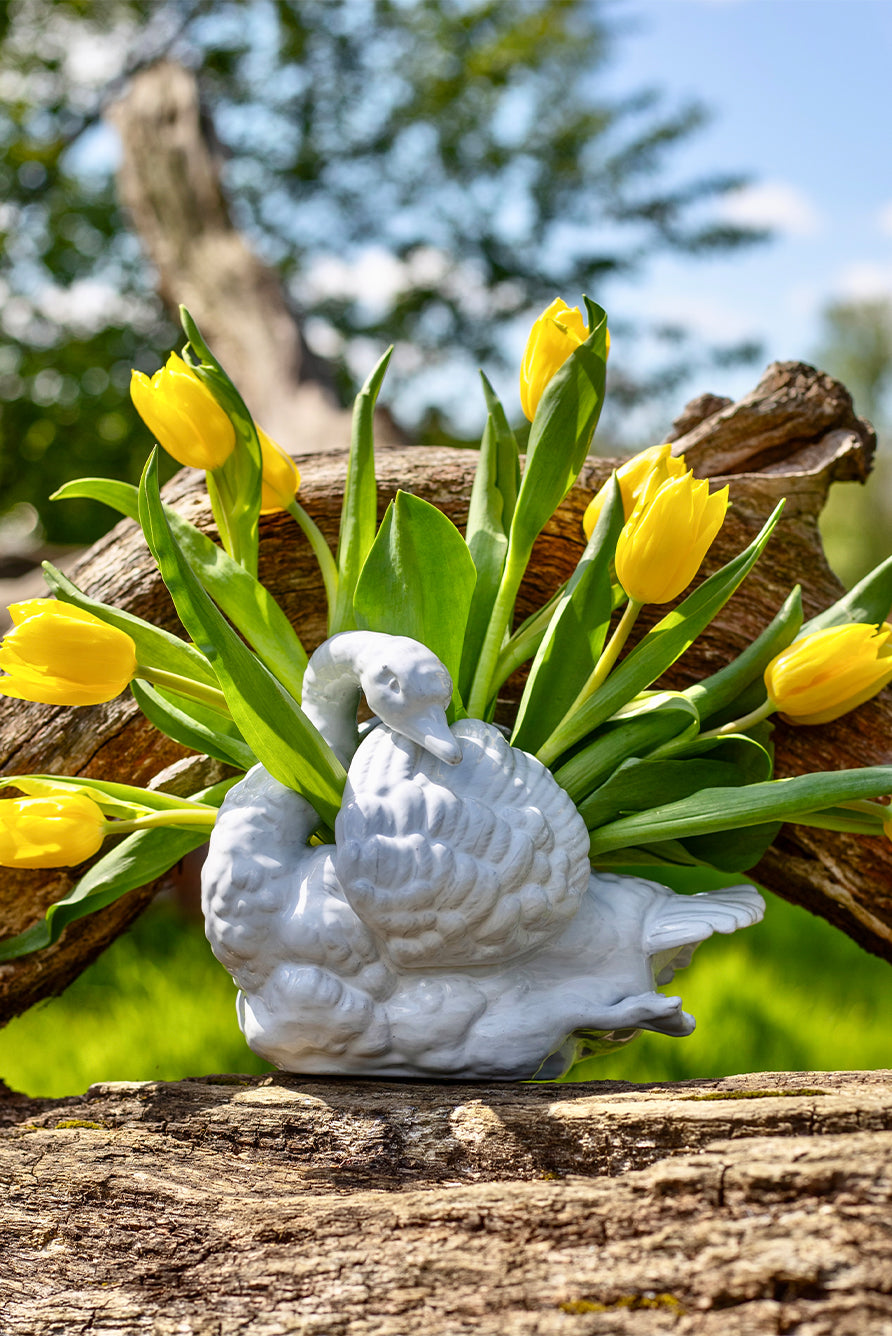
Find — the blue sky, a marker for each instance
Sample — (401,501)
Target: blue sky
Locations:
(801,101)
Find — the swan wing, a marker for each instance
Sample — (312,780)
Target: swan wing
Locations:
(458,864)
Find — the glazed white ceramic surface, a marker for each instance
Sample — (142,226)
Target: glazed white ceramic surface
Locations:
(455,928)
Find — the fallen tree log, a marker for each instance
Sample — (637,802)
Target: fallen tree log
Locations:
(793,436)
(719,1208)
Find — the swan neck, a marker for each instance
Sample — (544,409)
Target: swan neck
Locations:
(332,689)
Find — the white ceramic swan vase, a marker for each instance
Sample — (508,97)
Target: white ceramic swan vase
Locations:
(455,928)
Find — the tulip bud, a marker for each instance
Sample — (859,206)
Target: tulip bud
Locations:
(50,832)
(183,415)
(632,478)
(60,655)
(281,477)
(829,672)
(553,337)
(664,541)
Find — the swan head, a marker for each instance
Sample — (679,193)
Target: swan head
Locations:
(409,690)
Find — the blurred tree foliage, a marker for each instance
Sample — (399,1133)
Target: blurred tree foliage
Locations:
(856,347)
(421,171)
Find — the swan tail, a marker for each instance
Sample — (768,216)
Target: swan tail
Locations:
(677,925)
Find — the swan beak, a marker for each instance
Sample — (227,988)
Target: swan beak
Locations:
(432,732)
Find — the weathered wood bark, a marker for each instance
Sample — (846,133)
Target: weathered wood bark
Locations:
(279,1205)
(791,437)
(169,181)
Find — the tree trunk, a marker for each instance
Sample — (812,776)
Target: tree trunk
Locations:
(280,1205)
(791,437)
(169,182)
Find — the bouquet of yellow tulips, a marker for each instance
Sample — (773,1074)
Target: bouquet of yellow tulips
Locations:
(666,781)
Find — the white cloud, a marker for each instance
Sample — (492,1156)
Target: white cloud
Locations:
(864,281)
(709,318)
(776,204)
(884,219)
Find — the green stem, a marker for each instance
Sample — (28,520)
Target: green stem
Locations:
(184,686)
(483,684)
(833,821)
(554,745)
(524,643)
(743,723)
(881,810)
(218,493)
(321,551)
(170,817)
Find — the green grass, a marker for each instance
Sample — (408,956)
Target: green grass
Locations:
(155,1007)
(790,994)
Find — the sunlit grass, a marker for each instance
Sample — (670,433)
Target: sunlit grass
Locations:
(790,994)
(155,1006)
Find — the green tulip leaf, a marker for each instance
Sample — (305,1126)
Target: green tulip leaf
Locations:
(735,850)
(193,725)
(725,809)
(114,799)
(525,641)
(640,784)
(752,756)
(507,473)
(561,433)
(717,697)
(359,509)
(269,719)
(659,649)
(637,730)
(576,633)
(138,859)
(493,497)
(418,580)
(869,601)
(246,602)
(234,487)
(559,438)
(121,496)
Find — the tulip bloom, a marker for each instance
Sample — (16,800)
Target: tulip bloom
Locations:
(183,415)
(50,832)
(665,539)
(281,477)
(828,673)
(553,337)
(60,655)
(632,478)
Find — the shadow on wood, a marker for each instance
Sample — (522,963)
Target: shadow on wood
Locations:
(718,1208)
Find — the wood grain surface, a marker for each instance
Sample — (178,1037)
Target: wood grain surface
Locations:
(265,1206)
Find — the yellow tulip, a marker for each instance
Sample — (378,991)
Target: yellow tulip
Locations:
(632,478)
(553,337)
(829,672)
(50,832)
(183,415)
(665,539)
(60,655)
(281,477)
